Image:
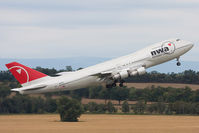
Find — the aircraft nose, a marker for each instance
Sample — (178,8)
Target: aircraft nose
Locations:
(187,44)
(183,44)
(190,45)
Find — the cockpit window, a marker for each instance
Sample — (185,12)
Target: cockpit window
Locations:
(177,40)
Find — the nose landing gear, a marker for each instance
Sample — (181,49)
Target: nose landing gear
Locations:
(178,62)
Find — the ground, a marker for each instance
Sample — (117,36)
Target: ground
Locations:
(174,85)
(99,124)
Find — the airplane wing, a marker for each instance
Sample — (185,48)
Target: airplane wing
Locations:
(110,74)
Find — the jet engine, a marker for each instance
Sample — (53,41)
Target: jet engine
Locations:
(139,71)
(127,73)
(121,75)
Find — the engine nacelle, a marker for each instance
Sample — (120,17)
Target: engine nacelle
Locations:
(125,74)
(121,75)
(139,71)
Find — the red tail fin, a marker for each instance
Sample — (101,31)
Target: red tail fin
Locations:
(24,74)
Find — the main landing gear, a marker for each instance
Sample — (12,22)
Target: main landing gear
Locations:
(114,84)
(178,62)
(111,85)
(121,83)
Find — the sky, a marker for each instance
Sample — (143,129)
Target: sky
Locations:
(94,28)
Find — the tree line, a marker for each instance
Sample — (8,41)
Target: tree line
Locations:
(188,76)
(141,107)
(185,77)
(152,100)
(150,94)
(24,104)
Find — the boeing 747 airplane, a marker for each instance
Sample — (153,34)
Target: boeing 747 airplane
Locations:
(109,72)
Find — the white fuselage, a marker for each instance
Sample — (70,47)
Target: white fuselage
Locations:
(145,58)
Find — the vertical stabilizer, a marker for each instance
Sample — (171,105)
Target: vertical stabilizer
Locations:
(24,74)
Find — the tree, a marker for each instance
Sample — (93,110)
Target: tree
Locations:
(101,108)
(196,96)
(92,107)
(69,109)
(50,105)
(104,94)
(125,107)
(37,105)
(110,107)
(69,68)
(6,76)
(80,68)
(151,108)
(139,107)
(132,94)
(160,107)
(94,92)
(75,95)
(120,93)
(4,91)
(46,70)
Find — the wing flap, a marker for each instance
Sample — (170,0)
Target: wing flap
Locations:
(103,75)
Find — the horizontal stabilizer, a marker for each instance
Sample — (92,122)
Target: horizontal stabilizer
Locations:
(15,89)
(34,88)
(29,88)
